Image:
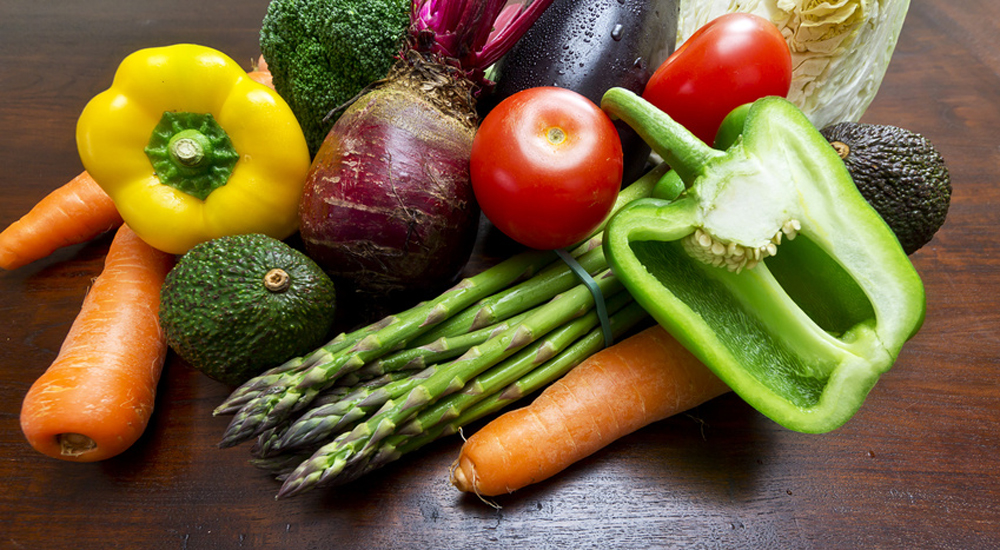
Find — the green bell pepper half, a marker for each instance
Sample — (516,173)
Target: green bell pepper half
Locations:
(770,266)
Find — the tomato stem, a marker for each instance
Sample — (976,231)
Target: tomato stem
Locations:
(556,135)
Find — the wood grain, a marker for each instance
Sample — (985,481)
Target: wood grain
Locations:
(916,468)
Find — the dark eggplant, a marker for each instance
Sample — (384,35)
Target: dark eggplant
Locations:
(589,46)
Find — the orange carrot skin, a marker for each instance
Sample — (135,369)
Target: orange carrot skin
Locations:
(640,380)
(74,213)
(260,73)
(102,384)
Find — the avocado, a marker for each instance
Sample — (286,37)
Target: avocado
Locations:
(236,306)
(900,173)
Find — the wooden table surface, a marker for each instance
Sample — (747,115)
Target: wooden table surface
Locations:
(917,467)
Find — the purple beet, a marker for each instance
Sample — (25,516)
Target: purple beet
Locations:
(388,203)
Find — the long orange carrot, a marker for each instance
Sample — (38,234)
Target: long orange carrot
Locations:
(640,380)
(74,213)
(95,400)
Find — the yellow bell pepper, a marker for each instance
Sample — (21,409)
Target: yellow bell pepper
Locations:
(191,149)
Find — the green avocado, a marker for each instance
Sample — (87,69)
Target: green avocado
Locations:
(236,306)
(900,174)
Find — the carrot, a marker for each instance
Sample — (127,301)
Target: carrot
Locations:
(74,213)
(260,73)
(640,380)
(95,400)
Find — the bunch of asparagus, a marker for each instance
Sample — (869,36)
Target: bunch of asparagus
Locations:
(368,397)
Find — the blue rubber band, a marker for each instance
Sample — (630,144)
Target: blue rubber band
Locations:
(602,308)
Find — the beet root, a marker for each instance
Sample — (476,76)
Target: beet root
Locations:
(388,204)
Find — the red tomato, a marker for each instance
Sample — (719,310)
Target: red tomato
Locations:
(734,59)
(546,167)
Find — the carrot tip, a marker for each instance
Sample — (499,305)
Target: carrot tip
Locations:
(458,478)
(75,445)
(462,482)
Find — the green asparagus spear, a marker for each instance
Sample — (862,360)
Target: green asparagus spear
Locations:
(332,404)
(320,422)
(293,390)
(351,448)
(441,348)
(493,400)
(540,288)
(456,411)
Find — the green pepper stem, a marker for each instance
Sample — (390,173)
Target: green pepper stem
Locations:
(684,152)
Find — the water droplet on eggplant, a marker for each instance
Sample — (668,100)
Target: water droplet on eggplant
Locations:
(616,33)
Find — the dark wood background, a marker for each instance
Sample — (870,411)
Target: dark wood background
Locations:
(916,468)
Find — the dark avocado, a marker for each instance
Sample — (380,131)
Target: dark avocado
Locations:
(900,174)
(236,306)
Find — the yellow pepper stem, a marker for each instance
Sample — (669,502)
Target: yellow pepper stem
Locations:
(188,148)
(191,152)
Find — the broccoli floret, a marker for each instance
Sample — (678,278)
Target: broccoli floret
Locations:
(321,53)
